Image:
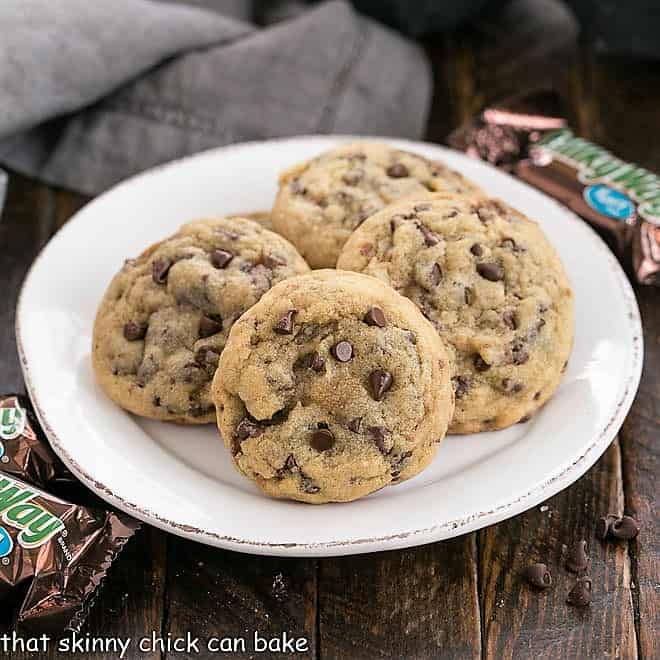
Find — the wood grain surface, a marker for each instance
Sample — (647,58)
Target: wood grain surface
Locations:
(464,598)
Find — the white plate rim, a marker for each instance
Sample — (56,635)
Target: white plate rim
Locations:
(429,534)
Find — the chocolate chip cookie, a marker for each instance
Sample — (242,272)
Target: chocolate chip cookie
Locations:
(166,315)
(322,201)
(495,290)
(331,387)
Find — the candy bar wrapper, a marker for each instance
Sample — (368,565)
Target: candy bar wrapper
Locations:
(62,551)
(24,451)
(59,551)
(528,136)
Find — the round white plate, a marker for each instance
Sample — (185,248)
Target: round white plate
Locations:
(180,478)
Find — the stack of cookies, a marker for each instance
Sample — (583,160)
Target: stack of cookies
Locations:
(436,309)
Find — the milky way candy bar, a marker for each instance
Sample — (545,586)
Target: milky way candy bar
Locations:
(619,198)
(24,451)
(60,551)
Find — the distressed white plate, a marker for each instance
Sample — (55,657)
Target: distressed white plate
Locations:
(181,479)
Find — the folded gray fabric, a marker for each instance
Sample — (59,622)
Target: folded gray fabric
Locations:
(327,71)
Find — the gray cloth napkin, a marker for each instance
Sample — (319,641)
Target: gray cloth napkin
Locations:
(93,92)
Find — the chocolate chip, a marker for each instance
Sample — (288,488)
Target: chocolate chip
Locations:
(221,258)
(468,295)
(135,331)
(297,188)
(510,319)
(524,419)
(352,178)
(342,351)
(577,559)
(206,356)
(461,386)
(159,270)
(375,316)
(247,429)
(397,171)
(430,238)
(511,386)
(480,364)
(355,424)
(377,435)
(209,325)
(156,401)
(580,594)
(308,485)
(537,396)
(624,528)
(436,274)
(490,271)
(508,243)
(519,353)
(380,381)
(285,325)
(272,262)
(322,440)
(538,576)
(477,250)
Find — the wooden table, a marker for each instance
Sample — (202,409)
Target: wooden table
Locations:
(463,598)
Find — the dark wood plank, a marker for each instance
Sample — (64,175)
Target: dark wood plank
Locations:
(522,623)
(214,593)
(626,119)
(415,603)
(26,224)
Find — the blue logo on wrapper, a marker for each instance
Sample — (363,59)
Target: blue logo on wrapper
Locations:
(609,202)
(6,544)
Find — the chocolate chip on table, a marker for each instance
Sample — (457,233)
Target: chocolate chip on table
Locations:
(135,331)
(322,439)
(577,559)
(285,325)
(538,576)
(510,319)
(624,528)
(480,364)
(159,270)
(342,351)
(209,325)
(477,250)
(355,424)
(375,316)
(580,594)
(377,434)
(380,382)
(436,274)
(221,258)
(490,271)
(461,386)
(397,171)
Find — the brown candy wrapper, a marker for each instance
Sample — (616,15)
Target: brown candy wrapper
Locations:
(59,551)
(528,136)
(24,451)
